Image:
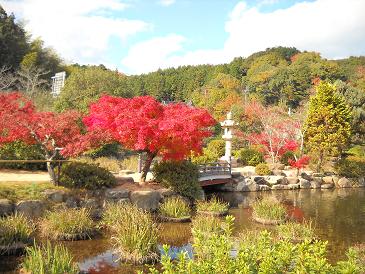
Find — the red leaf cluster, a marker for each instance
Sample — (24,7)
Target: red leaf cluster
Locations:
(300,163)
(144,124)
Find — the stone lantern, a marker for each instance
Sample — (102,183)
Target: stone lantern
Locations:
(228,125)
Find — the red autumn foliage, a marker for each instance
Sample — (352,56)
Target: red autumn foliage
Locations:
(299,163)
(53,132)
(143,124)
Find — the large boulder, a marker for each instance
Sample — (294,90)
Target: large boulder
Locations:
(30,208)
(290,172)
(344,183)
(247,185)
(315,184)
(274,180)
(293,186)
(146,199)
(327,186)
(247,171)
(54,195)
(306,176)
(327,180)
(116,195)
(319,180)
(304,183)
(264,188)
(167,192)
(6,207)
(278,187)
(292,180)
(260,180)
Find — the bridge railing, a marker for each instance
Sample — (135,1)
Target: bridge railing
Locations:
(213,169)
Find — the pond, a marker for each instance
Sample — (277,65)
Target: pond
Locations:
(338,215)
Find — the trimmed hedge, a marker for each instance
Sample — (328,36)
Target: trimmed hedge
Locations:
(262,169)
(181,176)
(83,175)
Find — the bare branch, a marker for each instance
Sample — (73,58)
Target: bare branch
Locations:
(7,78)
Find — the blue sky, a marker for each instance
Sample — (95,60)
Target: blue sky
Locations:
(138,36)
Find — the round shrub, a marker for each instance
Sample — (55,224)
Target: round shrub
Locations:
(262,169)
(181,176)
(249,156)
(352,167)
(83,175)
(284,159)
(213,207)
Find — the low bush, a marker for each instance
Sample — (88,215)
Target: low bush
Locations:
(174,207)
(259,254)
(262,169)
(269,209)
(358,151)
(21,151)
(213,205)
(134,234)
(287,157)
(48,260)
(205,224)
(15,229)
(249,156)
(68,224)
(296,232)
(181,176)
(130,163)
(82,175)
(351,167)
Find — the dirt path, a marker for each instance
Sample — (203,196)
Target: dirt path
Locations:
(23,176)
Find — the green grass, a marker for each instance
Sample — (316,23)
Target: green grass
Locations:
(16,191)
(15,229)
(48,260)
(269,209)
(203,224)
(175,207)
(296,231)
(134,233)
(68,224)
(213,205)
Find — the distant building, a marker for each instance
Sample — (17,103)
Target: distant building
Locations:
(58,81)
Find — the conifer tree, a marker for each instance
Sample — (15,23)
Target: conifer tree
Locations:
(328,124)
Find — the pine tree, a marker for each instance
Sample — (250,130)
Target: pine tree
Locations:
(328,124)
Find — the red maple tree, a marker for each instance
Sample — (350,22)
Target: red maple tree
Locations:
(299,163)
(54,133)
(276,131)
(145,125)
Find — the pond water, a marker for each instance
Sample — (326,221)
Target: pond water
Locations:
(339,217)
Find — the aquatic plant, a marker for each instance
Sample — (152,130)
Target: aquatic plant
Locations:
(296,232)
(68,224)
(15,231)
(175,207)
(268,209)
(48,260)
(135,235)
(214,205)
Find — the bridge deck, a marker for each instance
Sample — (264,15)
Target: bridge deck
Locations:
(214,173)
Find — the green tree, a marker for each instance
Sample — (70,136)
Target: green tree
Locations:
(328,124)
(86,85)
(13,41)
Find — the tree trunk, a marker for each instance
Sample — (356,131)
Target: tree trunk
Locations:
(146,167)
(52,173)
(320,161)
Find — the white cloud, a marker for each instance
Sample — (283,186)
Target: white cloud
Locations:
(335,28)
(152,54)
(79,30)
(166,3)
